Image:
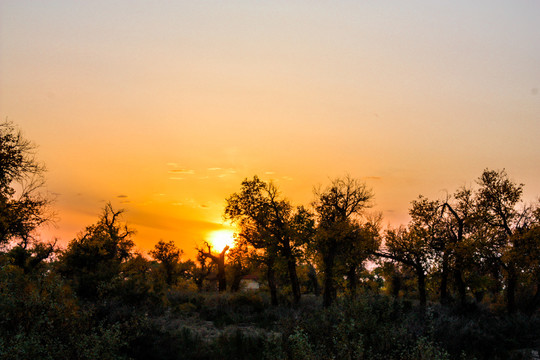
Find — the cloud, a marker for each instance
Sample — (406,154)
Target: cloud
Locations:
(121,196)
(172,164)
(182,171)
(204,206)
(176,178)
(269,173)
(373,178)
(213,169)
(287,178)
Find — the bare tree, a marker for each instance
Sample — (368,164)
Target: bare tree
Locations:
(219,260)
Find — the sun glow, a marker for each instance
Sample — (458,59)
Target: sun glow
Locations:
(221,238)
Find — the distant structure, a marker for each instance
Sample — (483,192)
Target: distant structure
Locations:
(249,282)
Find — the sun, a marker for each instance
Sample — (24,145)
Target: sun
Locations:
(221,238)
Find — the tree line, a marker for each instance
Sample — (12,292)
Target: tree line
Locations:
(480,244)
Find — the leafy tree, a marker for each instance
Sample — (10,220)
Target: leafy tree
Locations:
(459,218)
(23,206)
(269,223)
(169,257)
(527,254)
(497,202)
(409,246)
(240,262)
(364,240)
(338,209)
(94,258)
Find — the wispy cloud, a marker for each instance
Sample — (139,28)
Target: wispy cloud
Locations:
(214,169)
(269,173)
(121,196)
(182,171)
(373,178)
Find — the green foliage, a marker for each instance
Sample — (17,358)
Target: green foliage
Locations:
(299,346)
(40,318)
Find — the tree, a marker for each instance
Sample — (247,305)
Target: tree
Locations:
(240,263)
(267,222)
(363,241)
(219,261)
(199,273)
(23,207)
(409,246)
(168,256)
(93,259)
(496,205)
(338,209)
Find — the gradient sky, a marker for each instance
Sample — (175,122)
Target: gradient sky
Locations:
(163,107)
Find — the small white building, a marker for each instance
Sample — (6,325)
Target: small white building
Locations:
(249,282)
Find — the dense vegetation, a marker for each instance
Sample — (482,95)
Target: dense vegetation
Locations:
(460,281)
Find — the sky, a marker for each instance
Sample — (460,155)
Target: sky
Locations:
(164,107)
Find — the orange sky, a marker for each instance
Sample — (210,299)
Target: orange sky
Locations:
(163,108)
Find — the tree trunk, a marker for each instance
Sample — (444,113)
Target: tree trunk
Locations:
(352,280)
(312,274)
(291,266)
(511,291)
(199,283)
(270,274)
(235,286)
(329,290)
(535,301)
(222,280)
(462,290)
(444,279)
(421,286)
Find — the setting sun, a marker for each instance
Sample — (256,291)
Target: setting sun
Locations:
(221,238)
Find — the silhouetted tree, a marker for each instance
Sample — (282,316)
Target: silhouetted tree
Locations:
(199,273)
(338,208)
(410,247)
(219,260)
(497,200)
(240,263)
(93,259)
(168,256)
(268,222)
(363,241)
(23,207)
